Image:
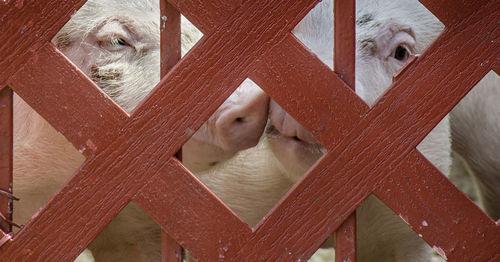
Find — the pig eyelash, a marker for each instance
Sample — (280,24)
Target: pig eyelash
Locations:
(118,41)
(114,43)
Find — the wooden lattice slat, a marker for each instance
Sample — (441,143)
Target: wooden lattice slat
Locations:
(287,61)
(6,148)
(452,222)
(200,222)
(84,114)
(367,148)
(27,27)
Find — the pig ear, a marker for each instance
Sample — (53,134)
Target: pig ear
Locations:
(237,125)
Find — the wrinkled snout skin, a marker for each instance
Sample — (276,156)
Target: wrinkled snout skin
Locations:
(291,143)
(242,118)
(237,125)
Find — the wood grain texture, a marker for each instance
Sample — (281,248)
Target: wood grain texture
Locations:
(181,101)
(192,214)
(68,100)
(345,40)
(344,55)
(170,54)
(314,95)
(6,150)
(440,212)
(206,15)
(170,28)
(28,25)
(450,12)
(139,158)
(395,125)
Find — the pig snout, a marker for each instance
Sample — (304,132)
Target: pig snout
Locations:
(242,118)
(287,126)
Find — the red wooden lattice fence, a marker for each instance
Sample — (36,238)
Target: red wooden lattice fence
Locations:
(250,39)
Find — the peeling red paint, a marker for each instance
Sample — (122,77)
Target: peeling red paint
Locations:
(4,238)
(91,145)
(440,251)
(405,218)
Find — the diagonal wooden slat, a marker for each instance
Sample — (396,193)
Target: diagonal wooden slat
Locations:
(397,123)
(27,26)
(68,100)
(116,172)
(437,210)
(313,94)
(449,12)
(143,167)
(206,15)
(185,218)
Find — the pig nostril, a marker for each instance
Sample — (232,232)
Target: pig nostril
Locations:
(296,138)
(239,120)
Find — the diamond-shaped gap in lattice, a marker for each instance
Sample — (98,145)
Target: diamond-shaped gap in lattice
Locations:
(230,155)
(383,235)
(43,159)
(474,126)
(117,45)
(131,236)
(250,152)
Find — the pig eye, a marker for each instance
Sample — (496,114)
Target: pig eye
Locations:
(401,53)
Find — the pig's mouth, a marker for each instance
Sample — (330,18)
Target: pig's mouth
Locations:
(274,133)
(294,151)
(296,141)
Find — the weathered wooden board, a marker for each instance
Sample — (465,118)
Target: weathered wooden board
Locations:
(369,150)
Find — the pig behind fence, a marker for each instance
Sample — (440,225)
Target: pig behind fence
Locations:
(116,43)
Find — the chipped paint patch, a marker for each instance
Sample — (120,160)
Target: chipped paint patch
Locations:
(5,238)
(405,218)
(163,22)
(440,251)
(81,150)
(424,223)
(91,145)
